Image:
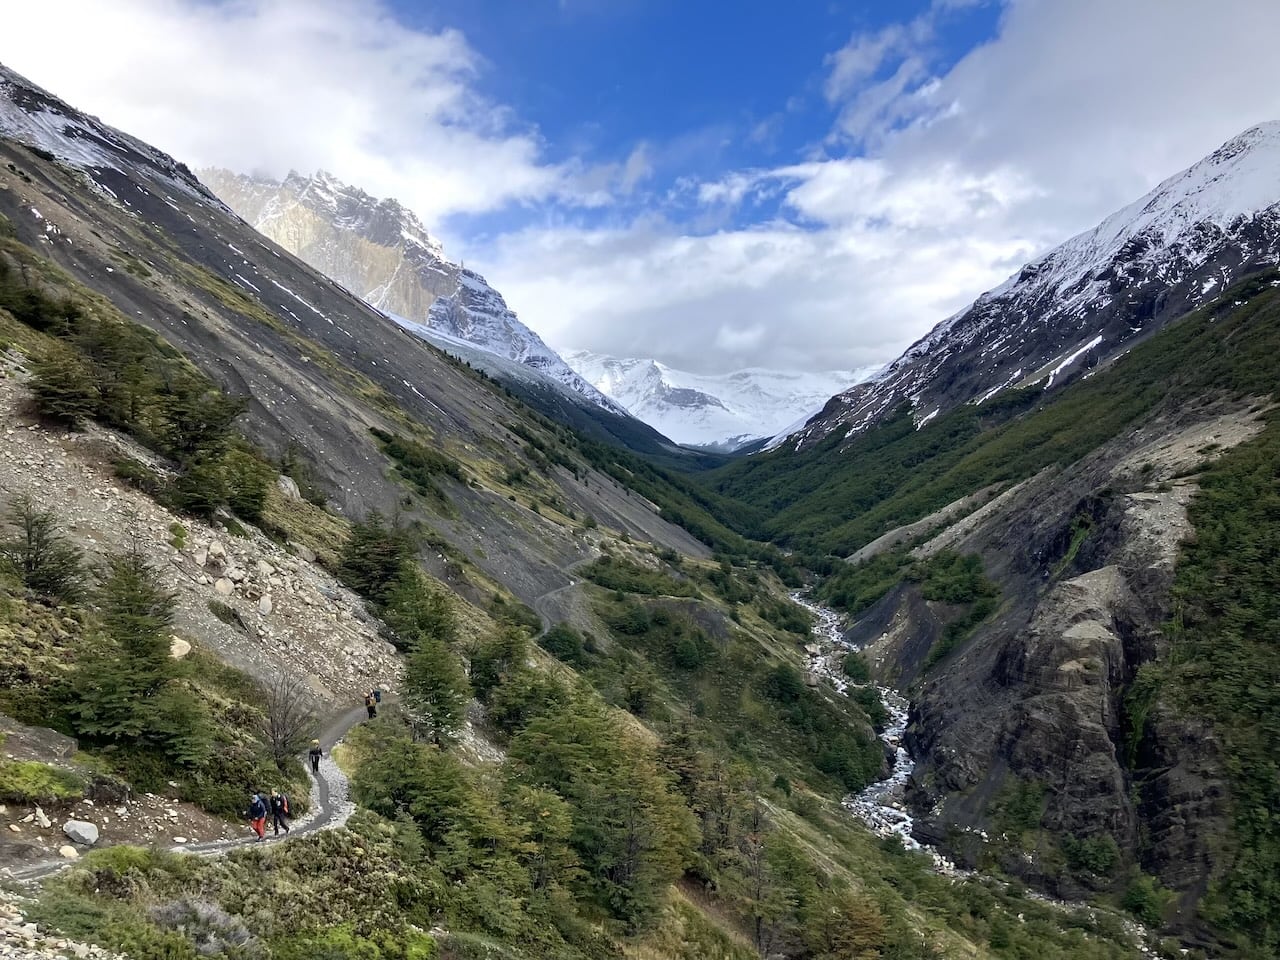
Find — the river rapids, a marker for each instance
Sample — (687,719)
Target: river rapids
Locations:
(881,806)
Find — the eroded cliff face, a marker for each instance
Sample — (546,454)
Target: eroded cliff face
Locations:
(1026,750)
(375,248)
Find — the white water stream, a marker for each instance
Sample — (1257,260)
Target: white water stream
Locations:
(881,806)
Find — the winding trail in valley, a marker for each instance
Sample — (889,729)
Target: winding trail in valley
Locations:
(330,796)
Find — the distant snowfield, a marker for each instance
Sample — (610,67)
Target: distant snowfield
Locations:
(727,410)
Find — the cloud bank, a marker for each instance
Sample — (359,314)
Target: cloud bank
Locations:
(932,184)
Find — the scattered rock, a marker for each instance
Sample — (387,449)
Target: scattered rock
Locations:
(178,648)
(224,587)
(15,828)
(289,487)
(264,605)
(68,852)
(179,839)
(265,569)
(42,820)
(81,831)
(304,552)
(201,557)
(235,574)
(217,551)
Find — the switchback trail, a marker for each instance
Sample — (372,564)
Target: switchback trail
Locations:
(330,805)
(330,808)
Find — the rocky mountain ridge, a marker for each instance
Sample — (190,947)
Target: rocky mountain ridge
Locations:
(1090,299)
(721,412)
(318,366)
(379,250)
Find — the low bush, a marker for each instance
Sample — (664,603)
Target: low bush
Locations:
(27,781)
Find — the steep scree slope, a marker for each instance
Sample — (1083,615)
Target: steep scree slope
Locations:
(319,366)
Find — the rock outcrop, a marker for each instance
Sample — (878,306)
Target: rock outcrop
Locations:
(81,832)
(1032,707)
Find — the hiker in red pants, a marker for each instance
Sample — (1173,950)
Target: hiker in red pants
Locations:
(257,814)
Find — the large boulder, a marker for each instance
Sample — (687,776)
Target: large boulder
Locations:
(81,832)
(289,487)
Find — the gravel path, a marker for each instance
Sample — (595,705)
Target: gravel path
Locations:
(331,806)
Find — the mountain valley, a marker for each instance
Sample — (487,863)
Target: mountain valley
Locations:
(723,413)
(607,728)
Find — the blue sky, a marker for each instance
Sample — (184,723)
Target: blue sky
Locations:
(715,185)
(697,89)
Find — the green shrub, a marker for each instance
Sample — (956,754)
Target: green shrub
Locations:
(614,574)
(1146,899)
(228,615)
(35,549)
(565,644)
(141,477)
(26,781)
(855,667)
(1093,854)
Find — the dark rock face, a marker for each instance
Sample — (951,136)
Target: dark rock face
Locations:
(1036,698)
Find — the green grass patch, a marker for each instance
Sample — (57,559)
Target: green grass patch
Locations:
(27,781)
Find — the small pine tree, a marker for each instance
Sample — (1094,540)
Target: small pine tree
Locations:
(118,690)
(373,558)
(197,418)
(46,562)
(202,487)
(62,385)
(436,690)
(416,612)
(248,476)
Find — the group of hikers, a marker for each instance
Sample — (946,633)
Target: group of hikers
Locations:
(276,805)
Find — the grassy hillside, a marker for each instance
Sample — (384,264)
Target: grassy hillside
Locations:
(846,492)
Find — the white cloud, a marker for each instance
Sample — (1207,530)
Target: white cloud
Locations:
(267,85)
(1073,110)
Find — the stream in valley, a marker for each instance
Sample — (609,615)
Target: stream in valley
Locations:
(881,806)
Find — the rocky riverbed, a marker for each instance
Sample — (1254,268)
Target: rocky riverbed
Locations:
(880,805)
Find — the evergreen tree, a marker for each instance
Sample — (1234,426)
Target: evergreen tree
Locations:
(495,659)
(196,417)
(118,691)
(62,385)
(373,558)
(416,612)
(436,690)
(632,832)
(48,565)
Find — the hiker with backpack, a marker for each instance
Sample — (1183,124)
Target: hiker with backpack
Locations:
(257,815)
(279,812)
(371,704)
(315,754)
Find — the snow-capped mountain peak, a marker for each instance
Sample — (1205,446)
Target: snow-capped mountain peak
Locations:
(1089,299)
(721,411)
(380,250)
